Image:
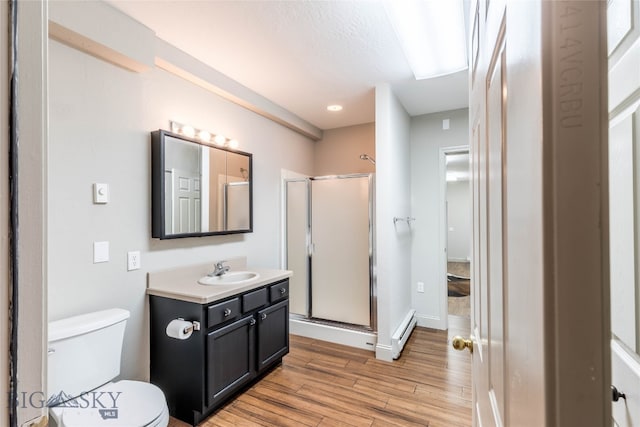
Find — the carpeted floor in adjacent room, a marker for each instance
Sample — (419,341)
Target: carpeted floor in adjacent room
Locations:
(459,289)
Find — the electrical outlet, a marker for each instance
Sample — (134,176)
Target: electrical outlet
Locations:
(133,260)
(420,287)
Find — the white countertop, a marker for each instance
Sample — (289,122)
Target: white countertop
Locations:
(182,283)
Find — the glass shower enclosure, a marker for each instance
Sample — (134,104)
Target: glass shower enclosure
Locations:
(330,249)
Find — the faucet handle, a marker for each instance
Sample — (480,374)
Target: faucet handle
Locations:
(220,268)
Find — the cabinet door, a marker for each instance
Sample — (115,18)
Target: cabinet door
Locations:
(273,334)
(230,359)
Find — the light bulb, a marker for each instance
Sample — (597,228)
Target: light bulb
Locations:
(234,143)
(220,139)
(204,135)
(188,131)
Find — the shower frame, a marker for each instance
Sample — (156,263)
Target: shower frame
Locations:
(373,318)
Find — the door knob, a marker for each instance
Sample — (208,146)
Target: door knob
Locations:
(460,343)
(616,394)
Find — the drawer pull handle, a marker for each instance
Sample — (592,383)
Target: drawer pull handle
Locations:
(227,312)
(263,316)
(283,291)
(252,322)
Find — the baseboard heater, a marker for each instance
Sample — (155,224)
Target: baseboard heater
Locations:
(402,334)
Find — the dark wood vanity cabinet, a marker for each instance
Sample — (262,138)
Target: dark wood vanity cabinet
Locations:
(230,359)
(241,337)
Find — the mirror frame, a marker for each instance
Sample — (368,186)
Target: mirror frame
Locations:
(158,184)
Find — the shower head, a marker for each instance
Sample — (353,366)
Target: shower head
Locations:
(367,157)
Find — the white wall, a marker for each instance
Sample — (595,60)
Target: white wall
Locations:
(393,243)
(458,221)
(100,119)
(427,138)
(339,150)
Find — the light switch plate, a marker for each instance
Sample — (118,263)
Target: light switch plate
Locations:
(100,252)
(420,287)
(133,260)
(100,193)
(446,124)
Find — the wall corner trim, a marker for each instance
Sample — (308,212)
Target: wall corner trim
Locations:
(84,44)
(88,27)
(384,352)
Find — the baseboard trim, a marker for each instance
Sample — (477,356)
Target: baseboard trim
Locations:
(458,260)
(384,352)
(433,322)
(348,337)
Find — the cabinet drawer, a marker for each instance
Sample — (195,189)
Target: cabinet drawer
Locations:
(254,299)
(222,312)
(279,291)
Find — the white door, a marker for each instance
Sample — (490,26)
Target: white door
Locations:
(186,209)
(538,143)
(624,196)
(488,145)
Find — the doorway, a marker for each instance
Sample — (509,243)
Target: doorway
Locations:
(457,201)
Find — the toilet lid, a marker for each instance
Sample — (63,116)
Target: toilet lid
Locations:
(119,404)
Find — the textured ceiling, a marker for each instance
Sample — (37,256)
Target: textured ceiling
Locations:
(302,55)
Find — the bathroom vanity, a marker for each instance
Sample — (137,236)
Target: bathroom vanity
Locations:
(244,331)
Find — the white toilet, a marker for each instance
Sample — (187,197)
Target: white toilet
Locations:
(84,357)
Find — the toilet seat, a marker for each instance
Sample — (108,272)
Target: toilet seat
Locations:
(120,404)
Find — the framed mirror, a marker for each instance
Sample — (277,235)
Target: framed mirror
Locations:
(198,189)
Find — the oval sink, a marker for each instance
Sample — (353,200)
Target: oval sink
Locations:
(230,278)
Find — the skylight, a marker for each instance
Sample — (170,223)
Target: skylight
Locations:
(432,35)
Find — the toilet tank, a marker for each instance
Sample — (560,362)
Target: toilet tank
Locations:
(84,353)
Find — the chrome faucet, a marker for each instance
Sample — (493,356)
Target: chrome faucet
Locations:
(220,269)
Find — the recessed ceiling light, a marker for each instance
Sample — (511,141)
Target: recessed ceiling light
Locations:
(335,107)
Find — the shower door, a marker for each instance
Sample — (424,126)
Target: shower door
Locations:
(329,248)
(340,254)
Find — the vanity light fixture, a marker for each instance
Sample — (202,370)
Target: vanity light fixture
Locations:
(334,107)
(432,35)
(203,135)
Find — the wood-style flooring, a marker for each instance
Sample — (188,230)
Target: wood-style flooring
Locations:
(325,384)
